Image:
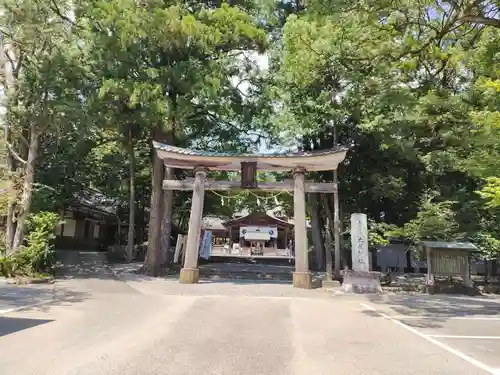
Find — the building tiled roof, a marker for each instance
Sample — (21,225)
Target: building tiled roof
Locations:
(281,154)
(213,223)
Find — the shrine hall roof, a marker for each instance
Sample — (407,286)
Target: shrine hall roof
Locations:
(230,161)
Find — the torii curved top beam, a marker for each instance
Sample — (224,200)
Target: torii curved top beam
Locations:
(182,158)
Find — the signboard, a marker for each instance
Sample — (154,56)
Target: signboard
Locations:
(448,262)
(272,231)
(249,174)
(255,236)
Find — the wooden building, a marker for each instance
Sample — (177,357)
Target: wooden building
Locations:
(87,227)
(255,234)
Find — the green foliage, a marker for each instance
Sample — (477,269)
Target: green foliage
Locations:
(411,85)
(488,244)
(122,67)
(491,192)
(435,221)
(378,234)
(38,255)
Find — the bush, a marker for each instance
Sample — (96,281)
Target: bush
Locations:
(38,254)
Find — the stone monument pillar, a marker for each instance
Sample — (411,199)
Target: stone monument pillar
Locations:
(302,278)
(359,243)
(190,272)
(360,279)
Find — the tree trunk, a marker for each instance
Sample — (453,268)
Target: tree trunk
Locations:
(131,204)
(118,226)
(316,231)
(10,226)
(27,195)
(153,256)
(168,195)
(336,224)
(166,223)
(329,235)
(345,257)
(11,166)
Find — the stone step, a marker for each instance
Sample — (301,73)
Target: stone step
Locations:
(244,275)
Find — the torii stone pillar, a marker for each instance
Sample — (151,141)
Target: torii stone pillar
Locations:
(302,278)
(190,272)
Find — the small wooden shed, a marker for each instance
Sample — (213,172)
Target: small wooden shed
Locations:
(448,259)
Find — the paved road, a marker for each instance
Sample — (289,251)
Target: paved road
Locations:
(95,324)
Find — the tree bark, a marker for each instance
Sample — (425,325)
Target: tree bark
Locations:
(27,195)
(10,229)
(131,205)
(11,165)
(166,223)
(319,250)
(329,234)
(336,224)
(344,254)
(153,256)
(168,195)
(118,227)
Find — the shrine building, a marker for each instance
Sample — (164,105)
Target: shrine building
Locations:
(257,234)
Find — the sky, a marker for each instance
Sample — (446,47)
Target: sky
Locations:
(262,63)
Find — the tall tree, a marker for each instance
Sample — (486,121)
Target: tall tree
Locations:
(39,65)
(173,63)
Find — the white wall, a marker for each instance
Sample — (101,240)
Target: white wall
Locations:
(69,228)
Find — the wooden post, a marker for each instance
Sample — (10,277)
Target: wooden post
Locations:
(190,273)
(430,276)
(467,277)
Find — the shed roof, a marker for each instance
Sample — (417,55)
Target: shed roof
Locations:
(183,158)
(468,246)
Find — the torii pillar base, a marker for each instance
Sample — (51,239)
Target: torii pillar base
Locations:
(189,276)
(302,280)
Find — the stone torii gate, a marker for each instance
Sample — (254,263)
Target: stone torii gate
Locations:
(248,164)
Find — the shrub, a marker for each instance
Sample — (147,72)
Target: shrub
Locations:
(41,233)
(38,254)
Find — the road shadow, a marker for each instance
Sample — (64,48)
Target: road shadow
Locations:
(10,325)
(42,298)
(434,310)
(82,265)
(69,265)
